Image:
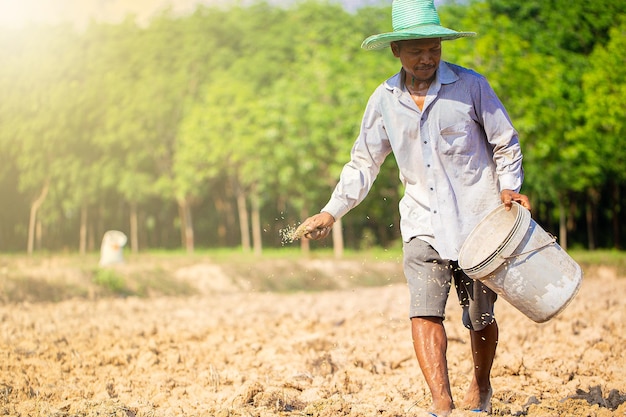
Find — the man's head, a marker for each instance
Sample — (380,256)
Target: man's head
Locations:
(413,19)
(419,57)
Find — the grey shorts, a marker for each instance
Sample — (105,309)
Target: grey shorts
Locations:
(429,278)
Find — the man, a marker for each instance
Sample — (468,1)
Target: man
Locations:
(459,157)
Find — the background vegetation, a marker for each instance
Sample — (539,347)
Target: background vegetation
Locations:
(176,273)
(220,128)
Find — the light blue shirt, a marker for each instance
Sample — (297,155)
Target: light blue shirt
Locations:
(454,157)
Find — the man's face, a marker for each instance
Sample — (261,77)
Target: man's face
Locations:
(420,57)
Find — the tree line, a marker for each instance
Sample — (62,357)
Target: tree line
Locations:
(222,127)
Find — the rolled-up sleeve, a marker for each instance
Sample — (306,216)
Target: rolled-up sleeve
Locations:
(507,153)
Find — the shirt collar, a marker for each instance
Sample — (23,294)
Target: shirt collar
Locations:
(444,75)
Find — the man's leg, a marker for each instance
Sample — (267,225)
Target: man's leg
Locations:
(478,302)
(429,278)
(484,343)
(430,343)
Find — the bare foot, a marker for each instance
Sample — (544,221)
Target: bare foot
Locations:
(477,400)
(442,411)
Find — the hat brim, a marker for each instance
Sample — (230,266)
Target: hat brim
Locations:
(383,40)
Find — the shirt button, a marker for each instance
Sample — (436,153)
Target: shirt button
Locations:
(428,166)
(435,211)
(425,142)
(431,188)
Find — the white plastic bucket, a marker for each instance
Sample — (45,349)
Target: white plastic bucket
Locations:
(111,251)
(511,254)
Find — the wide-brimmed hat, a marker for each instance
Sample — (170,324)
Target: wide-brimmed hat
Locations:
(413,19)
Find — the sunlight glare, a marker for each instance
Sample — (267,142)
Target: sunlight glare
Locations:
(16,13)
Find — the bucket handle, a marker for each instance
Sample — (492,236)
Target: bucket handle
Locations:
(550,242)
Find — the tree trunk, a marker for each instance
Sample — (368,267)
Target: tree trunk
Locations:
(562,224)
(231,218)
(134,228)
(257,241)
(220,208)
(591,241)
(615,210)
(82,244)
(593,197)
(181,217)
(244,226)
(101,228)
(91,243)
(338,239)
(38,234)
(572,214)
(186,224)
(34,208)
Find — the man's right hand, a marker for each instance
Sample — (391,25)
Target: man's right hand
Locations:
(318,226)
(508,196)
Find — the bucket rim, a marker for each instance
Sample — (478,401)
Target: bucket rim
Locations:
(500,248)
(493,260)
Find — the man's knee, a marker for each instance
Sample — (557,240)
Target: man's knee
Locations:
(478,320)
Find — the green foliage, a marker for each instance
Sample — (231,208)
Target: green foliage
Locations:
(560,26)
(604,128)
(592,260)
(266,101)
(110,280)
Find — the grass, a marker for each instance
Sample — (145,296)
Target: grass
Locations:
(111,281)
(58,277)
(609,258)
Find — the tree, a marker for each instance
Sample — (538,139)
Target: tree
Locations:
(42,123)
(604,129)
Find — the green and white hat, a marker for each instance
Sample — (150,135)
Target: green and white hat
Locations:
(413,19)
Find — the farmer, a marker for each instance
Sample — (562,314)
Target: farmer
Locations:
(459,158)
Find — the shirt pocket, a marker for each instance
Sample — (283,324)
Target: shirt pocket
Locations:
(456,139)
